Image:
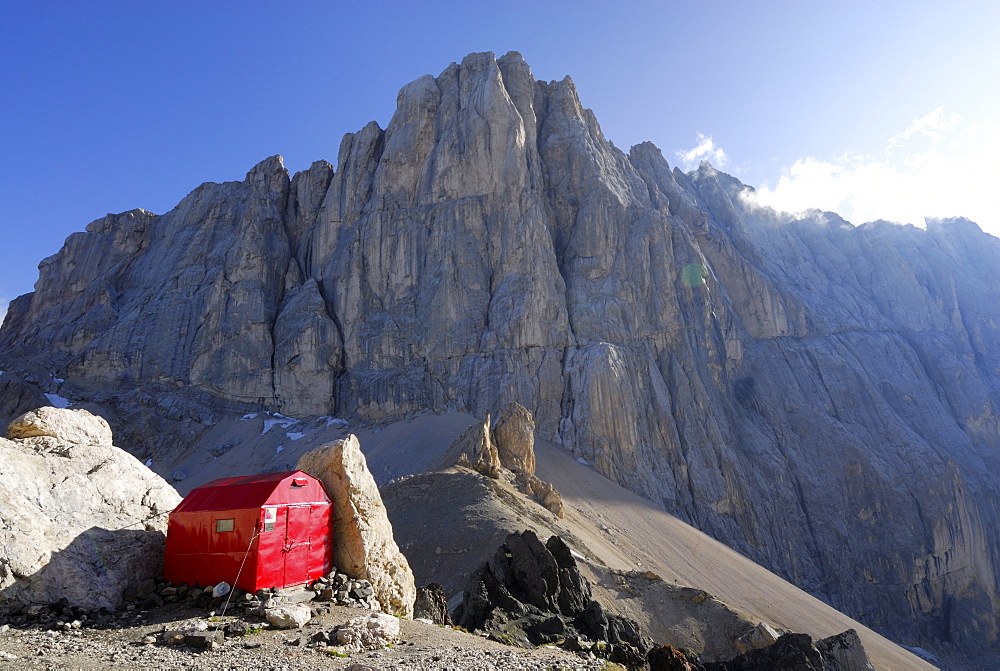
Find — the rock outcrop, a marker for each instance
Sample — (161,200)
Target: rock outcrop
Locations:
(80,519)
(820,396)
(530,593)
(760,636)
(509,447)
(845,652)
(363,543)
(514,434)
(431,604)
(542,492)
(476,450)
(842,652)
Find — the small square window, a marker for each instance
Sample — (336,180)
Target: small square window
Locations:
(270,517)
(224,525)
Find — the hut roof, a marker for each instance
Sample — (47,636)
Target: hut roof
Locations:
(248,491)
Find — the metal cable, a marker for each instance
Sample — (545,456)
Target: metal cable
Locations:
(245,555)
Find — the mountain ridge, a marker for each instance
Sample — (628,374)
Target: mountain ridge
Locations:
(819,396)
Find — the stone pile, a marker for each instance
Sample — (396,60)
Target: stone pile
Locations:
(368,632)
(155,593)
(195,633)
(340,589)
(334,589)
(60,615)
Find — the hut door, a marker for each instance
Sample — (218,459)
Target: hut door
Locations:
(296,549)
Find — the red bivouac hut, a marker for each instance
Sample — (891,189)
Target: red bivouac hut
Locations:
(274,530)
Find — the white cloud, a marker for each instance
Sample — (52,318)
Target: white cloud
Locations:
(942,165)
(935,125)
(705,150)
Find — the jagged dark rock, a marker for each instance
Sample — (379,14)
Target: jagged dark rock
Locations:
(795,652)
(666,658)
(842,652)
(491,246)
(530,593)
(574,590)
(432,604)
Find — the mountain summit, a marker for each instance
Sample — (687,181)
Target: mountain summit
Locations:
(821,397)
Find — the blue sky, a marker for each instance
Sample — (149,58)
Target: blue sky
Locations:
(875,109)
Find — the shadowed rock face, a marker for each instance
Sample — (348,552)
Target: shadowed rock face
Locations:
(532,593)
(820,396)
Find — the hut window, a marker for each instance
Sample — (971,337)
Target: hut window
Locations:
(270,516)
(224,525)
(299,482)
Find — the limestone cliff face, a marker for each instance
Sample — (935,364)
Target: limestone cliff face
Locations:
(818,395)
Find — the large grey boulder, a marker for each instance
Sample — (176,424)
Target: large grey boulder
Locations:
(80,519)
(363,544)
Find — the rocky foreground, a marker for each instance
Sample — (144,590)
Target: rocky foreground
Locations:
(327,624)
(137,641)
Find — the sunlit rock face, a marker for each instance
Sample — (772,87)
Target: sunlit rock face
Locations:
(820,396)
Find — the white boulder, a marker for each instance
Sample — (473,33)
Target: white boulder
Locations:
(79,517)
(292,616)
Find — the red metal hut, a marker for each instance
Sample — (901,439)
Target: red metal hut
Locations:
(277,526)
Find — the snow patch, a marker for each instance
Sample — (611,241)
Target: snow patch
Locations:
(58,380)
(250,415)
(331,421)
(279,449)
(58,401)
(283,422)
(294,435)
(583,461)
(149,463)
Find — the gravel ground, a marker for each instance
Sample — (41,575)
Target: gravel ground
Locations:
(423,646)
